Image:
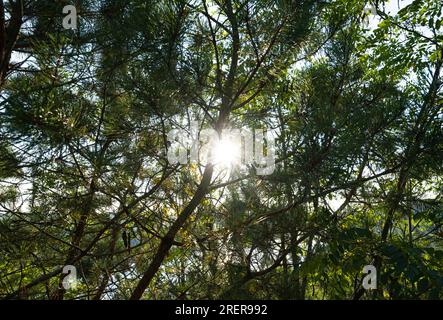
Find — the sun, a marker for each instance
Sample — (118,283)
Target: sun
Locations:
(226,152)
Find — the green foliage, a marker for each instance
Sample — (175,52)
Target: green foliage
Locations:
(357,115)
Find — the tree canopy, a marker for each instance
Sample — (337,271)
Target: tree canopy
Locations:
(351,91)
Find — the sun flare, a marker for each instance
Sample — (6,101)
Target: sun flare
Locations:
(226,153)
